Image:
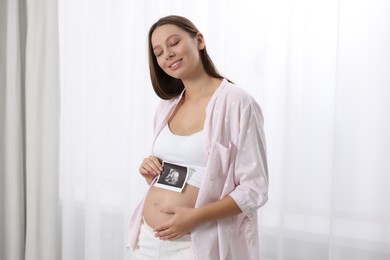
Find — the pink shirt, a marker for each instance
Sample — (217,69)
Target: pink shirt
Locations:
(235,150)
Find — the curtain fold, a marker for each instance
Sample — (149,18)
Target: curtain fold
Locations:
(12,200)
(29,209)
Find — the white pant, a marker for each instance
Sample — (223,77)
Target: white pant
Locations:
(151,248)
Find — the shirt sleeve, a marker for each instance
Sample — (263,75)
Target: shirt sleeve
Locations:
(250,168)
(157,115)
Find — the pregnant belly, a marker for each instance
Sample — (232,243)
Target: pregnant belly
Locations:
(158,198)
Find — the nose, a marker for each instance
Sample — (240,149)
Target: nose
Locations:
(170,55)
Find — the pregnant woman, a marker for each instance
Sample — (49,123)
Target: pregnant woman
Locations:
(213,129)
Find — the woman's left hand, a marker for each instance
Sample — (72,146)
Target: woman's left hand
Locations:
(181,223)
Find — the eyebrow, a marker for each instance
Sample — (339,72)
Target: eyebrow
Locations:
(173,35)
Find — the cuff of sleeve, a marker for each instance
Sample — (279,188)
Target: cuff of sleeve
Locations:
(248,201)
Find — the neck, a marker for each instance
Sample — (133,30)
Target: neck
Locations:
(200,87)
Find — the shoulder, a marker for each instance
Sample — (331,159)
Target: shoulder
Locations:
(232,94)
(237,102)
(167,103)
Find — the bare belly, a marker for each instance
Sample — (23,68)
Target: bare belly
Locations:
(158,198)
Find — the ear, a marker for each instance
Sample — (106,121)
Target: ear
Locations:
(200,41)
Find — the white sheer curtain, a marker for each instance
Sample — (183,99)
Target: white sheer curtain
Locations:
(29,130)
(320,71)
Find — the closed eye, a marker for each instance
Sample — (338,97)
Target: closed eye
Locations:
(159,53)
(175,43)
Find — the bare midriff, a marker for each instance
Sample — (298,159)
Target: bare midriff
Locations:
(158,198)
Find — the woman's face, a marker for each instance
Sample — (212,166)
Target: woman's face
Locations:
(177,53)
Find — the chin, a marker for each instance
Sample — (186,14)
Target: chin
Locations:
(176,76)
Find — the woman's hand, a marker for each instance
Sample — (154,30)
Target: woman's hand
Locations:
(182,222)
(150,168)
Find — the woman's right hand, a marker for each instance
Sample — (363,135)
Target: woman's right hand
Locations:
(150,168)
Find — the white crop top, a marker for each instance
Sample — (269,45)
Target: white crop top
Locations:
(183,150)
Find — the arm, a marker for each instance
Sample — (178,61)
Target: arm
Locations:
(223,208)
(151,165)
(251,170)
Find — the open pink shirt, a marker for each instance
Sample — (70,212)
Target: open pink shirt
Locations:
(236,166)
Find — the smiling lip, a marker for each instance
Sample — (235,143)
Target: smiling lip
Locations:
(175,65)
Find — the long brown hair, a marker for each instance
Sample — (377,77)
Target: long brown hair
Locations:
(165,86)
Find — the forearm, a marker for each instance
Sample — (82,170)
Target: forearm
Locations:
(223,208)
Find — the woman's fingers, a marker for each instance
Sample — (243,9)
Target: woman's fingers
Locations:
(171,237)
(168,234)
(154,163)
(150,167)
